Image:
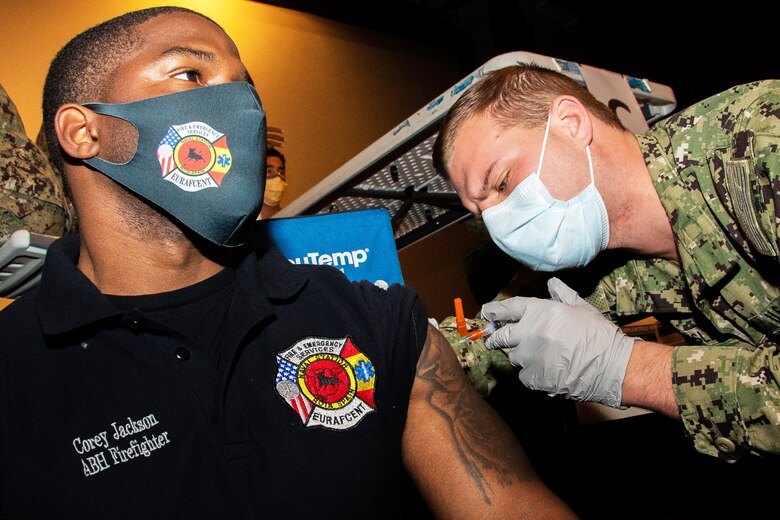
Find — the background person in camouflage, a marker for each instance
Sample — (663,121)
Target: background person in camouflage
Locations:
(32,195)
(693,211)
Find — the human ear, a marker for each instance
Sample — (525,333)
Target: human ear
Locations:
(573,118)
(77,131)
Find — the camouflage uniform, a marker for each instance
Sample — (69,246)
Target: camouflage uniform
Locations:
(716,168)
(32,196)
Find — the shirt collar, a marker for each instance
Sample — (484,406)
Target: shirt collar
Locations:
(276,278)
(67,300)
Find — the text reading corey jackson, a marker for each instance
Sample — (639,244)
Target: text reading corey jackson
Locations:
(110,447)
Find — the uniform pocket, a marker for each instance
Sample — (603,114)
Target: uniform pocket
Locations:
(748,179)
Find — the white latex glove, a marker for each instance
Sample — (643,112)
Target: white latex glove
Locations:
(564,345)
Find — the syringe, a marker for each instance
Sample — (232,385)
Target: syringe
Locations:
(484,332)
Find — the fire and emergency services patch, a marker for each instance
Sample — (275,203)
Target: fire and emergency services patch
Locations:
(327,382)
(194,156)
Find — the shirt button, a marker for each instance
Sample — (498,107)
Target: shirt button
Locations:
(134,325)
(725,445)
(182,354)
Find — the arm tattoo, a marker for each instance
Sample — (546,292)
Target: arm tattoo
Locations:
(476,436)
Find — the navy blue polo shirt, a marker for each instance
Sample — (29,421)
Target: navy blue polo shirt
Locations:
(286,395)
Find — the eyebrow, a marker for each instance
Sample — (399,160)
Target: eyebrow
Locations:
(206,56)
(486,179)
(189,51)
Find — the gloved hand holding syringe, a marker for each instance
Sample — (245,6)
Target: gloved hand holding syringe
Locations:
(563,345)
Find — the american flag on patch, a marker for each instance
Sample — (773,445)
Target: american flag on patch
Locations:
(165,151)
(287,387)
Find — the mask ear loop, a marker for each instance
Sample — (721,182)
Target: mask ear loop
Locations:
(590,164)
(544,146)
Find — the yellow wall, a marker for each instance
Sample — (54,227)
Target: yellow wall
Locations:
(334,89)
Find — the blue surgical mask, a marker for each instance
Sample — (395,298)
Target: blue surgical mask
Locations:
(547,234)
(200,157)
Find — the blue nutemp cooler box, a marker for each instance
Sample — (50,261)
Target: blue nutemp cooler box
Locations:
(360,243)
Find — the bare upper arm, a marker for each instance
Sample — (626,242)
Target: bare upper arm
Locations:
(463,457)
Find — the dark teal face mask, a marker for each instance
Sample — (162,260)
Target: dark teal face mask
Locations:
(200,157)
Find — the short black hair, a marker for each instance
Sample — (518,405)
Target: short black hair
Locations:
(82,69)
(273,152)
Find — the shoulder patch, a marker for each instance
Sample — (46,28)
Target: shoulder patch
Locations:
(328,382)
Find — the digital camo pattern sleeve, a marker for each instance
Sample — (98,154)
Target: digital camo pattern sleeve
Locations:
(32,195)
(484,367)
(716,167)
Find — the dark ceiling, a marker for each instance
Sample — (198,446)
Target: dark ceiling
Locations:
(693,47)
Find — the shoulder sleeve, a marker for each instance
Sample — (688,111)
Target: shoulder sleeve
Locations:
(395,328)
(405,319)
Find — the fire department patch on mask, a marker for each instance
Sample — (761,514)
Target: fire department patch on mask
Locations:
(194,156)
(327,382)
